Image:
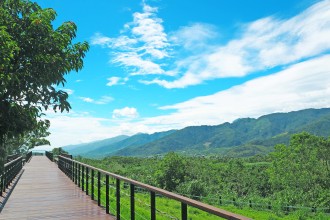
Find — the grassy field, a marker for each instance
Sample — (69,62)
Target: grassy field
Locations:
(170,209)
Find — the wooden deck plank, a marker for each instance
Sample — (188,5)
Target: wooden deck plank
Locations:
(44,192)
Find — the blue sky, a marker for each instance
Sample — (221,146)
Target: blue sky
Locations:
(157,65)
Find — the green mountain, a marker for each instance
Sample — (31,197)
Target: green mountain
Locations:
(83,149)
(243,137)
(132,142)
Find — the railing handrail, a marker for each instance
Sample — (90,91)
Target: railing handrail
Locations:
(68,156)
(12,157)
(13,161)
(186,200)
(11,169)
(49,155)
(28,156)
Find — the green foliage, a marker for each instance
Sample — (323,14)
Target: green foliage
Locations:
(26,141)
(58,150)
(296,175)
(195,188)
(34,58)
(300,172)
(171,171)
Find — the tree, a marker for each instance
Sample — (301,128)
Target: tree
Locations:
(28,140)
(34,59)
(171,172)
(58,150)
(299,173)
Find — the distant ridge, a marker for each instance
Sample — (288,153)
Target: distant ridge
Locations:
(244,137)
(132,142)
(83,149)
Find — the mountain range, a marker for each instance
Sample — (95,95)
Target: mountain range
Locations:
(241,138)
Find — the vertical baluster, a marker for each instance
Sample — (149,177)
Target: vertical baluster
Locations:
(79,175)
(87,180)
(132,198)
(1,177)
(92,184)
(118,198)
(99,188)
(184,212)
(71,171)
(75,173)
(82,177)
(107,205)
(153,205)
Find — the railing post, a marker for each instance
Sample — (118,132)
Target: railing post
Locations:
(75,173)
(153,205)
(132,188)
(79,175)
(92,184)
(184,212)
(118,198)
(71,170)
(82,178)
(87,173)
(99,188)
(79,170)
(1,177)
(6,177)
(107,205)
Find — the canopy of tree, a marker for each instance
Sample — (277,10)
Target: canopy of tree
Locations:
(34,58)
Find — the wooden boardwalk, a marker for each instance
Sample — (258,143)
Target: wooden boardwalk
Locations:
(44,192)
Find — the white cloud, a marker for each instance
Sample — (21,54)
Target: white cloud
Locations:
(142,42)
(113,81)
(86,99)
(194,37)
(126,112)
(70,129)
(103,100)
(139,65)
(99,39)
(300,86)
(69,91)
(303,85)
(148,29)
(264,44)
(121,42)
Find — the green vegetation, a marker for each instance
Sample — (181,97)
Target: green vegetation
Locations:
(293,179)
(34,58)
(242,138)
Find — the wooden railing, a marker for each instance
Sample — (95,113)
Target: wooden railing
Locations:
(49,155)
(28,156)
(83,175)
(11,169)
(12,157)
(66,155)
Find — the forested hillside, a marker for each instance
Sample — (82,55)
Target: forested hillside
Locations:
(241,138)
(293,178)
(111,145)
(83,149)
